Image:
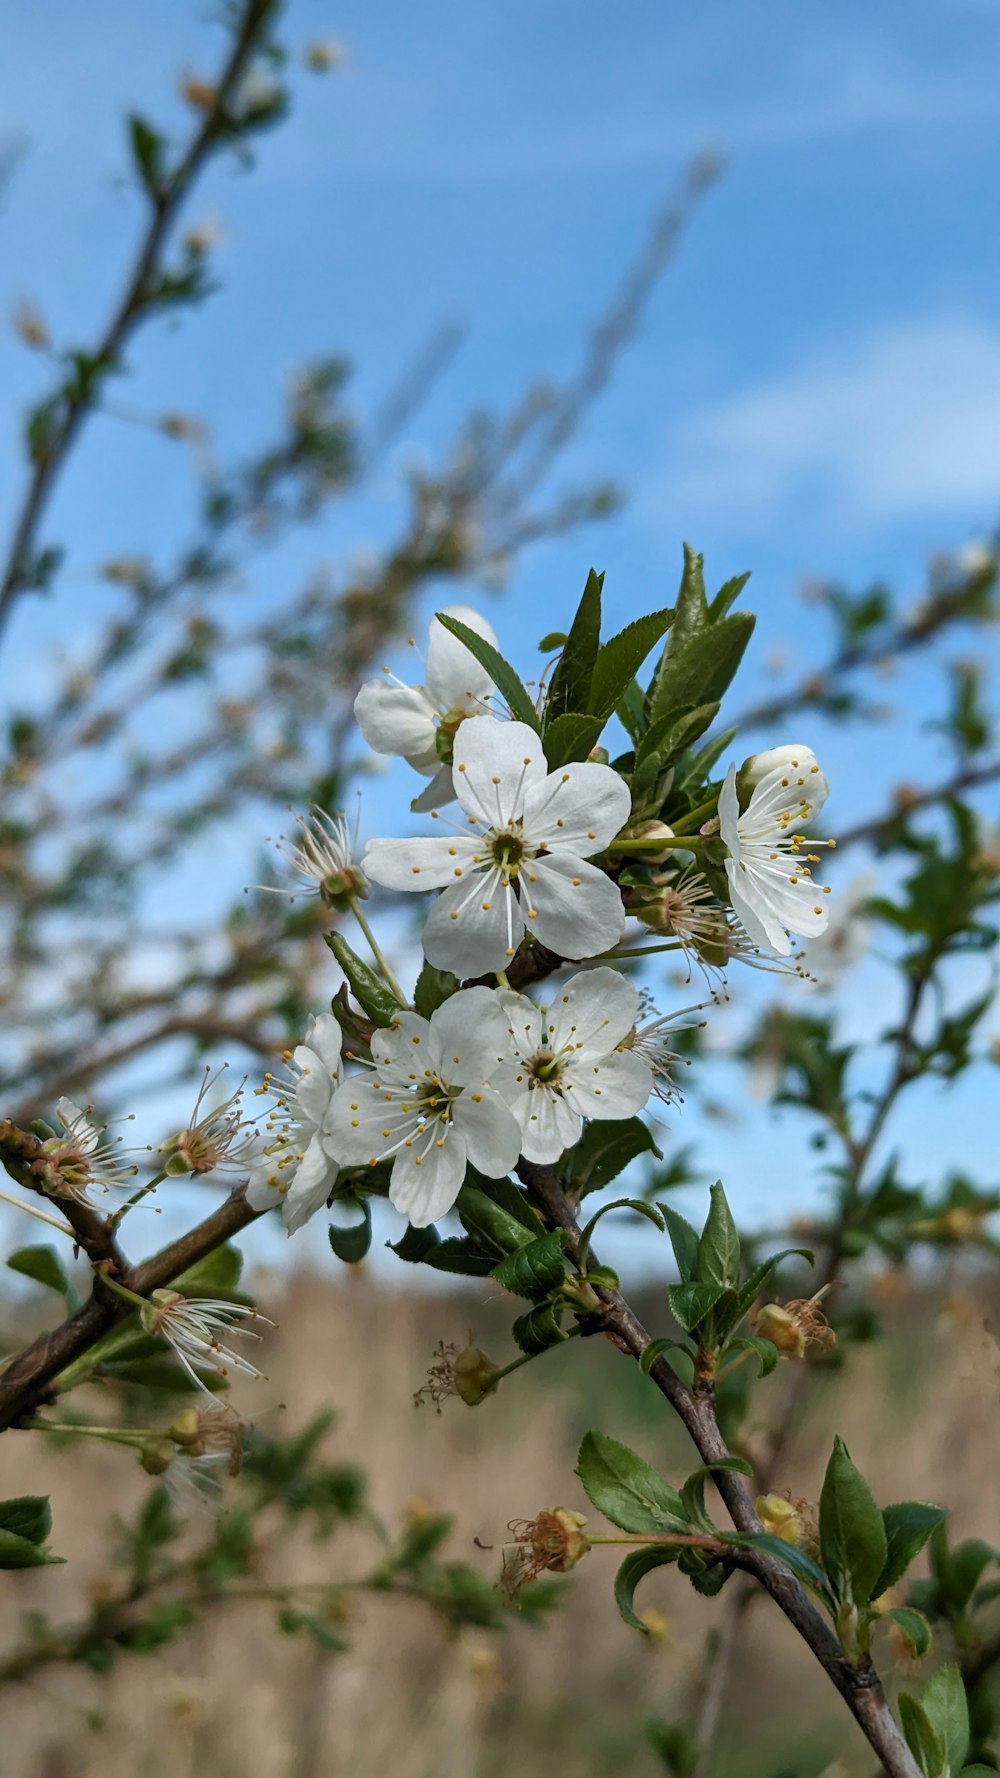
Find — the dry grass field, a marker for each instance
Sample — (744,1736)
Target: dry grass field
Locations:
(232,1699)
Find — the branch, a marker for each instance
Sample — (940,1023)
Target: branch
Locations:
(907,802)
(24,1380)
(858,1683)
(132,303)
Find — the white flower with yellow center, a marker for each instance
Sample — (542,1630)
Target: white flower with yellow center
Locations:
(193,1325)
(429,1105)
(768,868)
(299,1174)
(419,722)
(567,1064)
(521,863)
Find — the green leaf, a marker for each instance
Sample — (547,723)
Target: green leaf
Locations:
(637,1204)
(693,1491)
(719,1247)
(147,153)
(852,1536)
(627,1490)
(920,1737)
(947,1709)
(495,1228)
(667,740)
(605,1150)
(369,989)
(569,688)
(538,1329)
(802,1566)
(684,1241)
(658,1349)
(726,596)
(701,671)
(908,1525)
(415,1245)
(218,1274)
(619,660)
(434,987)
(759,1276)
(764,1350)
(691,1303)
(351,1243)
(630,711)
(914,1626)
(502,674)
(27,1515)
(21,1552)
(571,737)
(634,1569)
(44,1266)
(535,1270)
(462,1258)
(978,1772)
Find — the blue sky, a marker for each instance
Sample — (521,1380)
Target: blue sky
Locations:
(816,387)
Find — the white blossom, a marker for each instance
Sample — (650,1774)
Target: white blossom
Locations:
(567,1061)
(521,861)
(216,1138)
(429,1104)
(322,856)
(192,1326)
(79,1161)
(419,722)
(651,1042)
(769,873)
(300,1173)
(799,759)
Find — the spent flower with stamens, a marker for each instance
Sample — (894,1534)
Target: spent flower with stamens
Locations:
(217,1138)
(792,1327)
(768,867)
(552,1543)
(569,1062)
(522,861)
(429,1105)
(323,857)
(300,1173)
(79,1162)
(467,1373)
(651,1042)
(420,722)
(192,1327)
(210,1441)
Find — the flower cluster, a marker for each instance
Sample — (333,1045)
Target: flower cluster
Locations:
(543,863)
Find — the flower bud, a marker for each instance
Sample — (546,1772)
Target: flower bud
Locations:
(186,1428)
(780,1518)
(775,1324)
(156,1456)
(795,757)
(649,830)
(599,756)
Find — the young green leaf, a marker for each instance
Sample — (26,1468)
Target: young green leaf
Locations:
(920,1737)
(571,737)
(684,1241)
(433,988)
(27,1515)
(802,1566)
(569,687)
(603,1151)
(908,1525)
(626,1489)
(658,1349)
(502,674)
(637,1204)
(218,1274)
(701,672)
(492,1226)
(726,596)
(690,1304)
(461,1258)
(44,1266)
(21,1552)
(947,1709)
(693,1490)
(764,1351)
(759,1276)
(852,1535)
(619,660)
(351,1243)
(914,1626)
(538,1329)
(535,1270)
(369,989)
(631,1572)
(719,1247)
(415,1245)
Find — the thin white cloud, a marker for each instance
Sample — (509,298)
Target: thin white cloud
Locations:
(903,421)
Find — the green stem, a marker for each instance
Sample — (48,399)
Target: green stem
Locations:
(657,843)
(526,1358)
(122,1290)
(355,907)
(119,1435)
(697,815)
(39,1215)
(635,951)
(136,1198)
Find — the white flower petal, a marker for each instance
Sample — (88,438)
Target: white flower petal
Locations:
(261,1195)
(427,1190)
(549,1124)
(618,1086)
(495,764)
(310,1187)
(593,1012)
(360,1113)
(580,808)
(323,1036)
(314,1088)
(418,864)
(439,791)
(524,1019)
(473,927)
(469,1037)
(455,680)
(490,1131)
(729,814)
(753,911)
(577,909)
(397,719)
